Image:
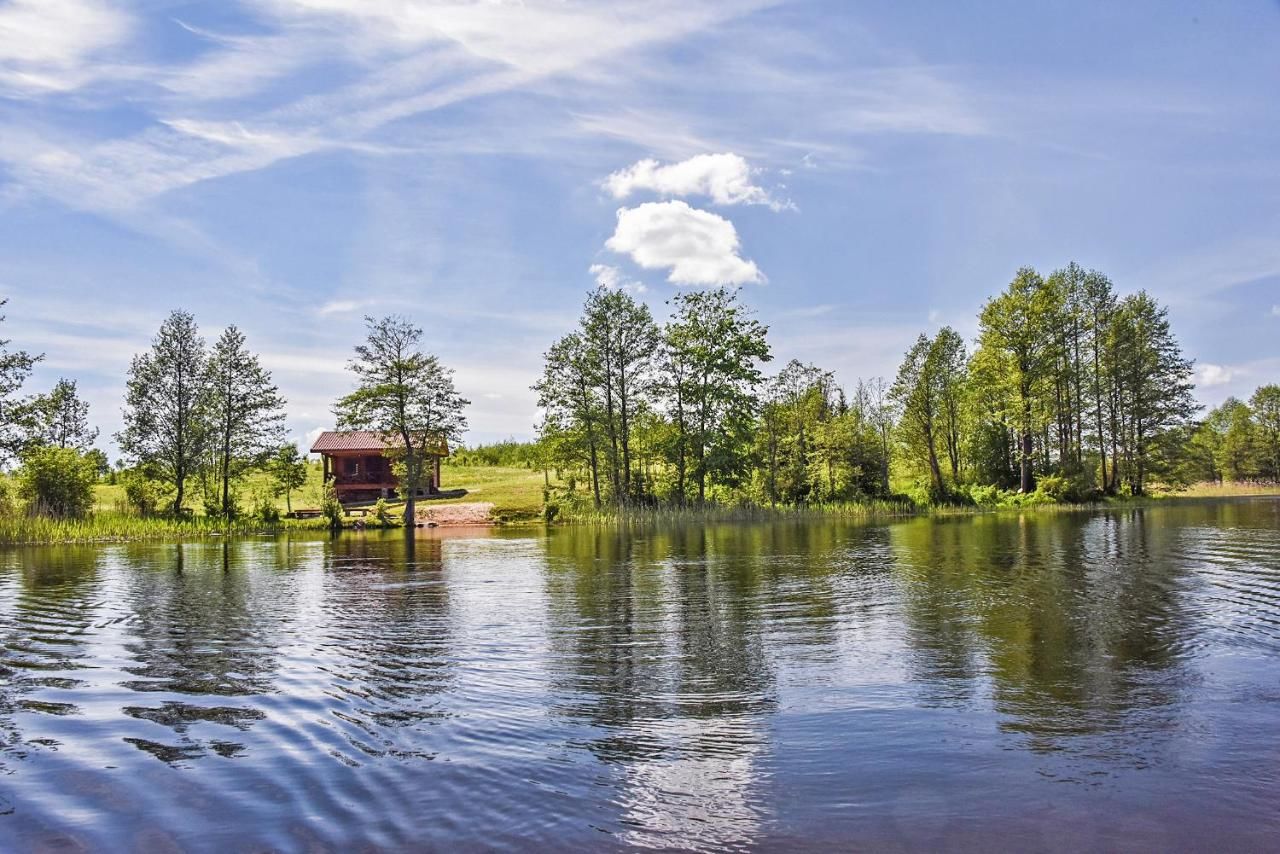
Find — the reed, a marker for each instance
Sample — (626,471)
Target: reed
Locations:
(673,514)
(18,529)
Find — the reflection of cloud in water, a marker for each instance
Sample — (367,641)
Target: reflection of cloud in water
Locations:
(699,790)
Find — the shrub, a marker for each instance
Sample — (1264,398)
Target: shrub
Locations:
(330,505)
(265,510)
(6,499)
(985,496)
(382,513)
(550,511)
(57,481)
(1072,488)
(142,493)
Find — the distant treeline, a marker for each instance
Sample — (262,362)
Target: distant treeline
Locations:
(1071,392)
(511,452)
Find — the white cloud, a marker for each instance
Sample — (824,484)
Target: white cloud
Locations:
(1209,375)
(48,45)
(1275,311)
(607,276)
(724,178)
(698,247)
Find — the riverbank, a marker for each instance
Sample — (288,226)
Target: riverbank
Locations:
(108,527)
(511,496)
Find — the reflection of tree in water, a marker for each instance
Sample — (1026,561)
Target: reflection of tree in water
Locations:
(385,639)
(207,623)
(659,639)
(1072,615)
(48,601)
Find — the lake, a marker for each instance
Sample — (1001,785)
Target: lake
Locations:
(1049,681)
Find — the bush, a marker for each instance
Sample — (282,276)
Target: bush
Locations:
(142,493)
(330,505)
(265,510)
(57,481)
(550,511)
(1073,488)
(986,496)
(382,513)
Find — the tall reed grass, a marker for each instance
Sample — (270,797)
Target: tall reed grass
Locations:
(19,529)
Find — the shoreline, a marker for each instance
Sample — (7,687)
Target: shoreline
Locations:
(108,529)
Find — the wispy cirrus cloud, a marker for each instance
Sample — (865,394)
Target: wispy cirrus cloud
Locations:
(57,45)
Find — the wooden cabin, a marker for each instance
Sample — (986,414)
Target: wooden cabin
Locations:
(361,470)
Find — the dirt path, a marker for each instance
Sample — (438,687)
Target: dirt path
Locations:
(451,515)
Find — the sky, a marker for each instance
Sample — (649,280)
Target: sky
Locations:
(863,171)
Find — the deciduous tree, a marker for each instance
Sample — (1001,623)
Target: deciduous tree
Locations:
(166,405)
(405,395)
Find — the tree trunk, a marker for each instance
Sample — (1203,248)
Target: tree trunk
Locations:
(411,476)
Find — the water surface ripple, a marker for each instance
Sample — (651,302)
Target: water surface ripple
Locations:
(1056,682)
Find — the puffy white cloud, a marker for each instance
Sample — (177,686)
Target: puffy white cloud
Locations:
(1275,311)
(1209,375)
(698,247)
(723,178)
(47,45)
(608,276)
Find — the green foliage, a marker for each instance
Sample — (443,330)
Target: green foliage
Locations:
(382,515)
(405,394)
(143,493)
(329,504)
(57,481)
(61,418)
(243,413)
(166,401)
(265,510)
(15,417)
(289,471)
(507,453)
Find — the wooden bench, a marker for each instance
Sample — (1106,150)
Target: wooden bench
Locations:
(306,514)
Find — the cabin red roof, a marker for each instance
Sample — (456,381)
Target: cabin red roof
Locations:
(361,440)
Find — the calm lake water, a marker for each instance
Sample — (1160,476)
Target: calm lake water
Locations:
(1068,682)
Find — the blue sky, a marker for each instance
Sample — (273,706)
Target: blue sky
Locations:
(864,171)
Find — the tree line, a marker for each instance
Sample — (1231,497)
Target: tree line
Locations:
(1070,391)
(203,417)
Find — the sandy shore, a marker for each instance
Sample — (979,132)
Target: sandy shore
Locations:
(456,515)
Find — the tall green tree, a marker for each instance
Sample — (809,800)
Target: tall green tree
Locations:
(166,405)
(61,418)
(405,395)
(1014,329)
(949,369)
(15,414)
(1152,381)
(245,412)
(1097,307)
(714,350)
(916,391)
(568,394)
(1266,411)
(288,470)
(622,342)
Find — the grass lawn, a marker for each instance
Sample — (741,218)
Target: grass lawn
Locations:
(110,497)
(515,493)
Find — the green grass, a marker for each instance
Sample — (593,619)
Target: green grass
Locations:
(109,498)
(516,493)
(115,527)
